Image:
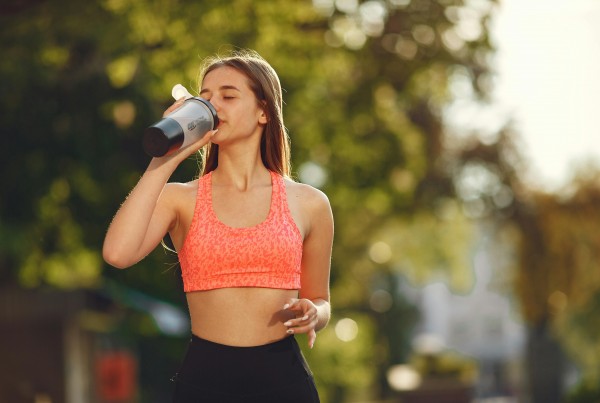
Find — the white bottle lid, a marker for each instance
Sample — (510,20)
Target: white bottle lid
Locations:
(179,91)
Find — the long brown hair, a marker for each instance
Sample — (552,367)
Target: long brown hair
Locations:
(264,83)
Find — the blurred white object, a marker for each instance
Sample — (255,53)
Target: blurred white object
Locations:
(403,377)
(179,91)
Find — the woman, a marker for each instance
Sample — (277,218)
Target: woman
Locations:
(253,245)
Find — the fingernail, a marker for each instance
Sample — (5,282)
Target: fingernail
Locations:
(286,306)
(305,317)
(287,324)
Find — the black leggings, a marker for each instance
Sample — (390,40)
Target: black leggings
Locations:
(216,373)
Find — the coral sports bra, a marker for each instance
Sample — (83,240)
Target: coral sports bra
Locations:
(215,255)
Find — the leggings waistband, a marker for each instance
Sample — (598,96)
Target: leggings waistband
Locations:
(204,343)
(246,370)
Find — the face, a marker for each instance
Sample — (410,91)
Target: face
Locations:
(239,114)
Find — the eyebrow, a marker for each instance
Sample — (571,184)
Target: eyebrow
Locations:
(223,87)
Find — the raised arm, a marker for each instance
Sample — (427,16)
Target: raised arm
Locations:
(142,220)
(148,212)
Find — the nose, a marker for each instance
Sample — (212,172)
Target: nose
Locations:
(215,103)
(217,106)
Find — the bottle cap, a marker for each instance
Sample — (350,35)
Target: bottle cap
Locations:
(179,91)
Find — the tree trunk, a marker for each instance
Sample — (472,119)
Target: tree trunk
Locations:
(545,365)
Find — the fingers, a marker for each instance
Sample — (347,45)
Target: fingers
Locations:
(312,337)
(174,106)
(305,321)
(301,325)
(290,303)
(299,307)
(201,141)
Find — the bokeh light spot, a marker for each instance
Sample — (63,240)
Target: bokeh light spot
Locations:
(346,329)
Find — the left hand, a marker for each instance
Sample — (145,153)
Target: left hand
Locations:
(305,320)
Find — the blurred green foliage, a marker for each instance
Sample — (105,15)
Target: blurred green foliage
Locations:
(587,391)
(365,84)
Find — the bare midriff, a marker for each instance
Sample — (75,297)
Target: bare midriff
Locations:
(240,316)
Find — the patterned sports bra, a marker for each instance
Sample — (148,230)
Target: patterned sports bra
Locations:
(215,255)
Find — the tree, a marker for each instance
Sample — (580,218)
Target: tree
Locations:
(556,273)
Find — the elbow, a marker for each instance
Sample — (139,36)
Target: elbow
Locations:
(114,258)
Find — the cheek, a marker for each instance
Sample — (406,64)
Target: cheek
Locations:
(253,118)
(245,123)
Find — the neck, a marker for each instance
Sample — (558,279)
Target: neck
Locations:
(240,173)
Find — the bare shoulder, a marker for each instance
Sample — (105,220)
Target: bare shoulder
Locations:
(177,193)
(307,197)
(305,192)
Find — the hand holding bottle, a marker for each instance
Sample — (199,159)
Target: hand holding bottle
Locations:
(183,123)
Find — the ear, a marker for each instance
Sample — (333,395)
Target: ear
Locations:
(262,117)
